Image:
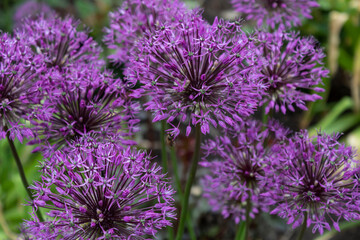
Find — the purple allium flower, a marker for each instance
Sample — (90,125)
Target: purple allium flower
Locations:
(275,12)
(86,101)
(100,192)
(135,17)
(315,177)
(31,9)
(240,171)
(18,90)
(196,73)
(61,43)
(291,68)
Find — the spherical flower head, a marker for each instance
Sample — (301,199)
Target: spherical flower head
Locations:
(239,174)
(100,192)
(135,17)
(274,13)
(31,9)
(315,177)
(196,73)
(85,102)
(292,67)
(18,89)
(61,43)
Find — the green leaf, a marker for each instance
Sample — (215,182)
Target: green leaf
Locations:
(345,103)
(344,123)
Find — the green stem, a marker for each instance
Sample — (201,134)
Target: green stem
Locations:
(191,178)
(240,231)
(163,147)
(247,220)
(174,163)
(176,172)
(170,231)
(165,164)
(21,170)
(265,117)
(303,228)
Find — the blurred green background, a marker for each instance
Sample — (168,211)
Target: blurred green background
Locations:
(336,24)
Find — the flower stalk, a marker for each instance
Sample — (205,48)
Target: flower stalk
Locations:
(240,232)
(247,220)
(163,147)
(21,169)
(191,178)
(179,191)
(303,227)
(164,160)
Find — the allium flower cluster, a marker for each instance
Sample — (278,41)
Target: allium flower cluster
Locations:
(196,73)
(133,19)
(61,43)
(315,178)
(18,91)
(240,173)
(291,68)
(99,192)
(270,13)
(85,102)
(31,9)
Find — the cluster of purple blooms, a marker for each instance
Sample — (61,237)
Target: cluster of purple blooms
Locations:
(196,73)
(101,192)
(292,175)
(55,90)
(274,13)
(134,19)
(244,157)
(318,179)
(291,65)
(18,88)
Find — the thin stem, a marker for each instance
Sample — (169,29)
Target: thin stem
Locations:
(19,166)
(174,163)
(240,231)
(21,170)
(191,178)
(247,220)
(163,147)
(265,117)
(176,172)
(165,164)
(303,227)
(170,231)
